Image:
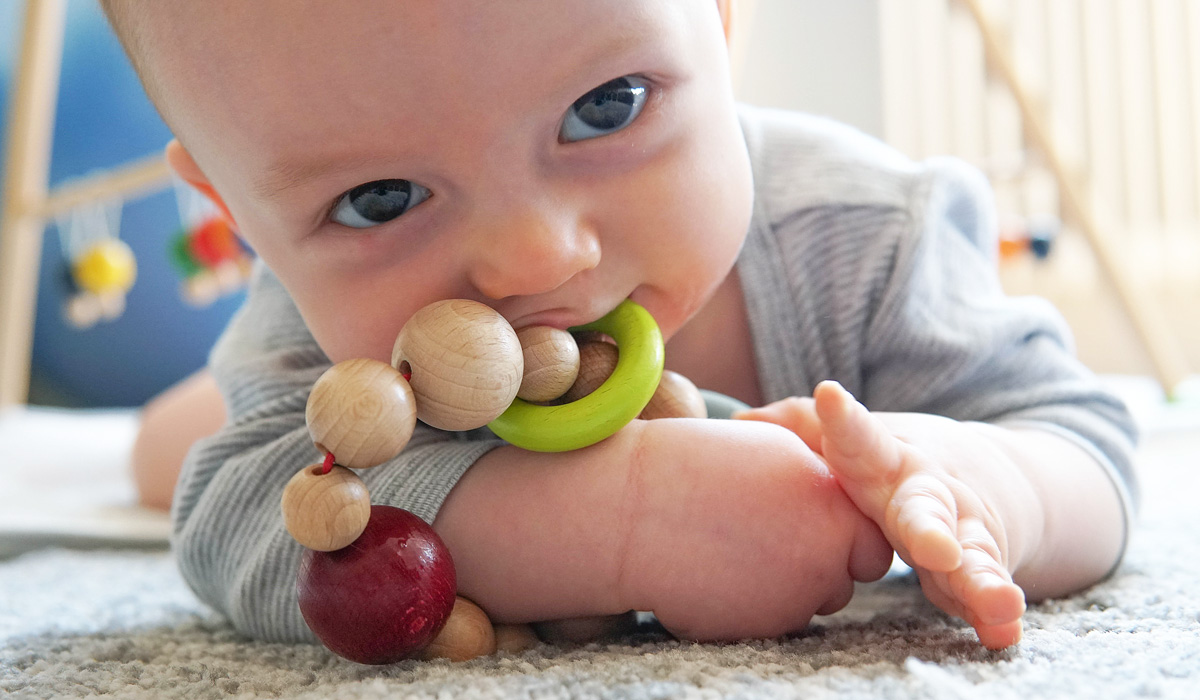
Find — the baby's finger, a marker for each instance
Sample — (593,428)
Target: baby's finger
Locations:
(858,448)
(797,414)
(983,583)
(997,637)
(936,588)
(924,518)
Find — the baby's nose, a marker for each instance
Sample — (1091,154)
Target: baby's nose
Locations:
(530,250)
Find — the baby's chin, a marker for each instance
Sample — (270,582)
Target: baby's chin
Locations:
(342,346)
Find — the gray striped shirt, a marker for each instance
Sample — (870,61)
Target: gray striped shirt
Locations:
(859,265)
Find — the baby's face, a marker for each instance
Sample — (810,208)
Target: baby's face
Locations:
(549,158)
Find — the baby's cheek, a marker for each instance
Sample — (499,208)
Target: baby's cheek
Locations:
(345,333)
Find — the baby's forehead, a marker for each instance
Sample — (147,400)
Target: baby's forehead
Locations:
(239,78)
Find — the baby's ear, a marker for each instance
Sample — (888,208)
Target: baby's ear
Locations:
(186,168)
(727,9)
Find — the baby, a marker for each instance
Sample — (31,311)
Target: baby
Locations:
(551,158)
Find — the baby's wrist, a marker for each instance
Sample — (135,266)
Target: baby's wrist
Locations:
(1016,498)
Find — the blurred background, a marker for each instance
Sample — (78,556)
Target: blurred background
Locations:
(103,121)
(1115,88)
(1116,82)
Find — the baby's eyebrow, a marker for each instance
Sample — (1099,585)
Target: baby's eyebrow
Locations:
(289,172)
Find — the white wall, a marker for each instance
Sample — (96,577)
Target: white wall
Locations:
(819,56)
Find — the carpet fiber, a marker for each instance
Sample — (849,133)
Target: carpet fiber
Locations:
(122,623)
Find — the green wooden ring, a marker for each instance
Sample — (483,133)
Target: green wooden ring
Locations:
(607,409)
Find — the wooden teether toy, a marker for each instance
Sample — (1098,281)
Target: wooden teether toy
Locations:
(456,365)
(551,363)
(611,406)
(383,599)
(675,397)
(465,363)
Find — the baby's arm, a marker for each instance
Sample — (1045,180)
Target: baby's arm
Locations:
(724,530)
(169,425)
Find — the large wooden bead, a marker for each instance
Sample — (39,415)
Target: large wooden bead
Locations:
(551,363)
(362,411)
(325,511)
(468,634)
(675,397)
(465,360)
(597,360)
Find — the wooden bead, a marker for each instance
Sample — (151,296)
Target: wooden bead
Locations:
(468,634)
(362,411)
(584,630)
(514,639)
(675,397)
(465,360)
(597,360)
(551,363)
(325,511)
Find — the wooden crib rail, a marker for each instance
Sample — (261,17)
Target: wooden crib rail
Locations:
(1084,110)
(1170,365)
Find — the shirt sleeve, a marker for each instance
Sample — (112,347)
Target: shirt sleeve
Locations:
(946,339)
(228,533)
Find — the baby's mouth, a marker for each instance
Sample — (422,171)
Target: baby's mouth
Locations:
(563,318)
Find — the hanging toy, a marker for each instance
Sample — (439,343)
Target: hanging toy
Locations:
(1034,235)
(457,365)
(207,252)
(101,269)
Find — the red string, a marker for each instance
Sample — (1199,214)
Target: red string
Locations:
(328,465)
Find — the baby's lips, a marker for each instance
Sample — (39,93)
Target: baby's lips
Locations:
(564,318)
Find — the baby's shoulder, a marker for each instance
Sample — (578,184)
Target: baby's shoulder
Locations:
(802,161)
(267,321)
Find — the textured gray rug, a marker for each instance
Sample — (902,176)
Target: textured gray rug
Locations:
(122,623)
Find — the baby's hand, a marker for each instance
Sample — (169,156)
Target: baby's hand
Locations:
(932,485)
(742,532)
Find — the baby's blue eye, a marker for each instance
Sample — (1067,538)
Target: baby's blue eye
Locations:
(606,109)
(377,202)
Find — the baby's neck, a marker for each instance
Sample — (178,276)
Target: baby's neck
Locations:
(715,350)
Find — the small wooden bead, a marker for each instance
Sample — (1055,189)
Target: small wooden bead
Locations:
(597,360)
(468,634)
(582,337)
(584,630)
(325,511)
(551,362)
(675,397)
(362,411)
(465,360)
(514,639)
